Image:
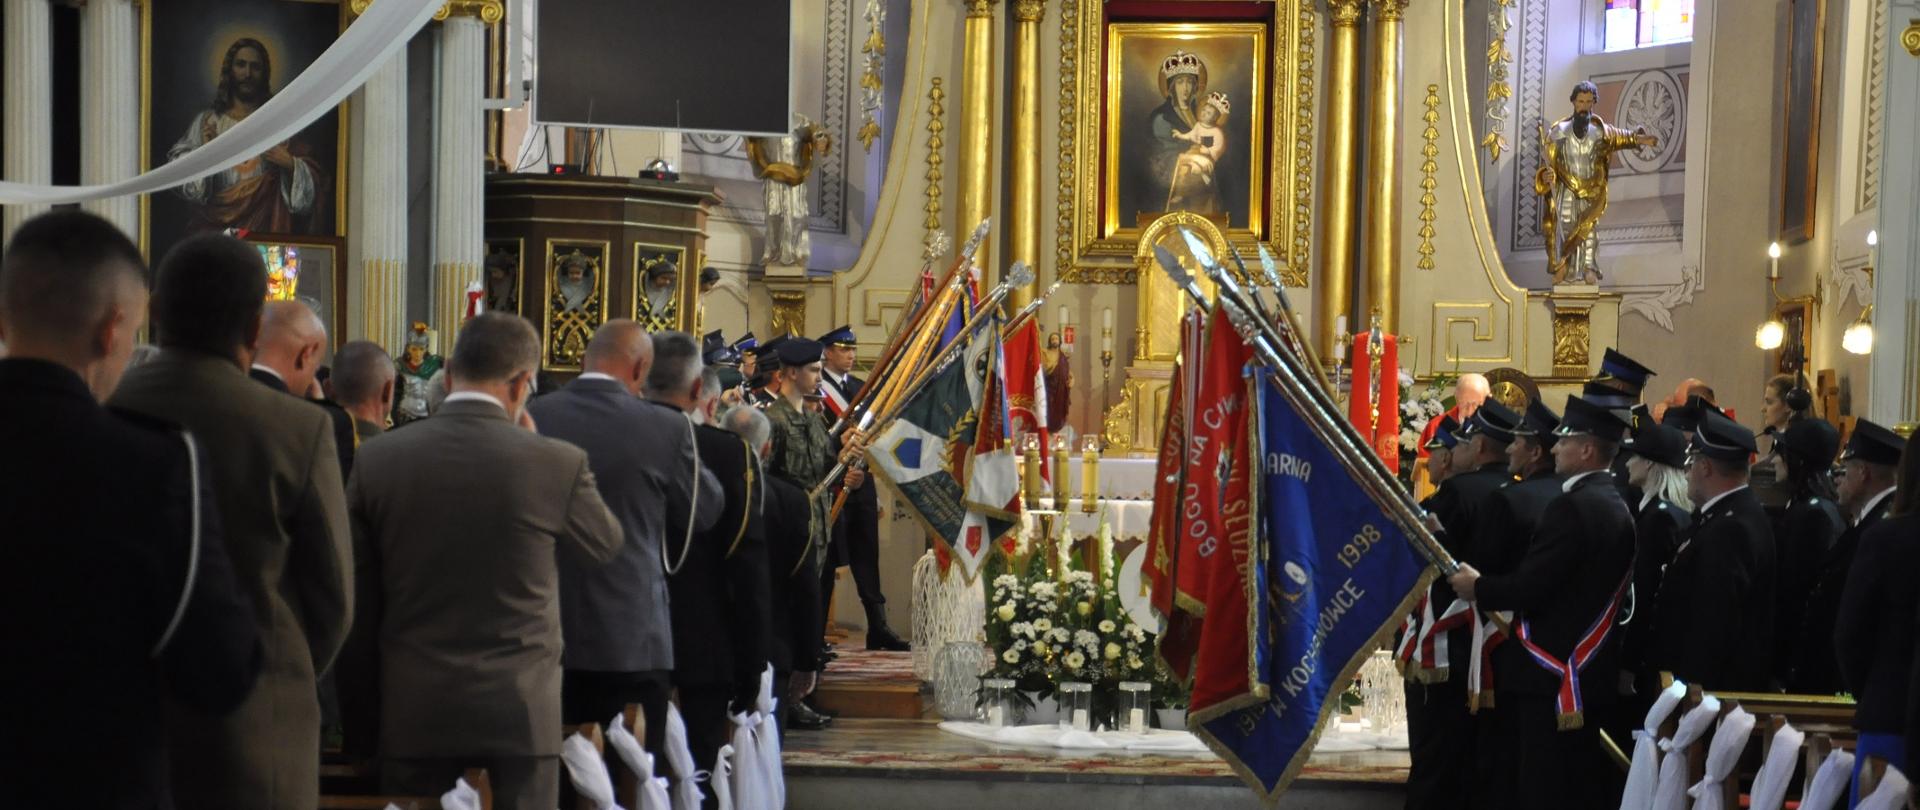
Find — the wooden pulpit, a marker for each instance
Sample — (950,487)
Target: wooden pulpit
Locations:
(570,252)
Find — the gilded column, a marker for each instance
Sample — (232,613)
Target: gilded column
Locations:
(381,224)
(25,98)
(1023,223)
(460,155)
(976,124)
(1337,210)
(109,95)
(1383,171)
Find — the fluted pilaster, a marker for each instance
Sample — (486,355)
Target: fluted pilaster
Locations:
(977,91)
(109,99)
(458,170)
(25,97)
(382,223)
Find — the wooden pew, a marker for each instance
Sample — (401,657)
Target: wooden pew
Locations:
(477,777)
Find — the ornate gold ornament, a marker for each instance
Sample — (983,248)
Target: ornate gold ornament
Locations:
(1571,339)
(789,312)
(936,155)
(1499,89)
(1429,151)
(1910,38)
(979,8)
(1345,13)
(872,85)
(569,328)
(1390,9)
(488,11)
(814,139)
(1029,11)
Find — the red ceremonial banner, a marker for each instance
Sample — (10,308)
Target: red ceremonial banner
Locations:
(1380,426)
(1027,390)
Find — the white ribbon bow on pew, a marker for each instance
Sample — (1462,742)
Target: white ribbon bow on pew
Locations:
(723,778)
(1770,784)
(756,780)
(653,789)
(588,772)
(1671,794)
(686,788)
(461,797)
(1829,783)
(1644,776)
(1891,794)
(1722,755)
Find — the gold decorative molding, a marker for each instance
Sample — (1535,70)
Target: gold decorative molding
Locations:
(488,11)
(1285,223)
(1910,38)
(1117,423)
(789,312)
(1029,11)
(1389,10)
(873,54)
(936,156)
(980,8)
(1122,276)
(1345,13)
(1571,339)
(1499,89)
(1429,152)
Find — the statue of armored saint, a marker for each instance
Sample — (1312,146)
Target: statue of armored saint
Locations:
(1573,178)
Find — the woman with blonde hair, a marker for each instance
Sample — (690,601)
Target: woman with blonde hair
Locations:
(1656,465)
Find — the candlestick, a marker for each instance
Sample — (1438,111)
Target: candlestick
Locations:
(1062,323)
(1060,473)
(1090,475)
(1030,455)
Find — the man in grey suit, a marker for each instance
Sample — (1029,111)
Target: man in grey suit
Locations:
(614,617)
(277,485)
(456,524)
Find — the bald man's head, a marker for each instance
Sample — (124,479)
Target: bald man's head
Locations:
(623,350)
(293,342)
(1469,393)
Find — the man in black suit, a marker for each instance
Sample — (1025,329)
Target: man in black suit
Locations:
(1513,511)
(1564,594)
(614,617)
(1869,468)
(717,584)
(363,381)
(1440,729)
(856,536)
(108,609)
(793,646)
(1875,631)
(1715,623)
(287,357)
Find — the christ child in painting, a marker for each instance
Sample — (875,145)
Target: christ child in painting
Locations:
(1192,188)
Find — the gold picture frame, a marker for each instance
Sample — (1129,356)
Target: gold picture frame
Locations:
(645,256)
(1795,354)
(503,247)
(568,325)
(1095,242)
(277,25)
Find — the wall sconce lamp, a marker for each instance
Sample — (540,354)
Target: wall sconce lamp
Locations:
(1773,333)
(1858,338)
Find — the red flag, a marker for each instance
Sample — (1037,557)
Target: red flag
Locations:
(1027,390)
(1208,626)
(1163,529)
(1380,426)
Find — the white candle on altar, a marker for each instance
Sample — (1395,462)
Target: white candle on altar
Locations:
(1137,721)
(1063,318)
(1082,720)
(997,715)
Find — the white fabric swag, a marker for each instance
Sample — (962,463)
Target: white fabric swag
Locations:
(653,789)
(377,36)
(1645,772)
(588,772)
(1671,794)
(1722,755)
(1770,784)
(686,785)
(1891,794)
(1829,783)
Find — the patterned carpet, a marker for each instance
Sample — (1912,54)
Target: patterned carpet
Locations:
(857,665)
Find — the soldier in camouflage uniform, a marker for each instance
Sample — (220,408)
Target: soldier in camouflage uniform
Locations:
(803,452)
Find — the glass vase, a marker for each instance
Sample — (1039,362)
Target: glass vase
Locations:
(1076,706)
(1133,706)
(998,699)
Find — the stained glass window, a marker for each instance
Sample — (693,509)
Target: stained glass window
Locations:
(1630,24)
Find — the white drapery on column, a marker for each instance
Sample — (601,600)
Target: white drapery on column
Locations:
(26,102)
(109,99)
(458,170)
(367,44)
(381,227)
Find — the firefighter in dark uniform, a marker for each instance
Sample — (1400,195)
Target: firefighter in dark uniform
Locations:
(1866,488)
(1714,627)
(856,535)
(1658,453)
(1875,631)
(1618,389)
(1556,676)
(1440,729)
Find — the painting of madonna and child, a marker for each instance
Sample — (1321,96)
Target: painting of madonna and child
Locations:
(1186,123)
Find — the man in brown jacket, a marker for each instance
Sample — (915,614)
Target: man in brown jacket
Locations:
(456,521)
(277,485)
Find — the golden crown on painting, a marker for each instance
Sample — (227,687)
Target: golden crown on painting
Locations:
(1180,63)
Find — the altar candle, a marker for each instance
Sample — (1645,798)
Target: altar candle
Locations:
(997,715)
(1060,472)
(1032,458)
(1062,324)
(1106,330)
(1340,338)
(1082,720)
(1089,477)
(1137,720)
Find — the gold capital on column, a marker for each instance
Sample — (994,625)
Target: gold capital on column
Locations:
(488,11)
(979,8)
(1338,204)
(1029,11)
(1389,10)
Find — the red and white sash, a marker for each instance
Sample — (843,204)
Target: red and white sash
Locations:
(835,400)
(1424,646)
(1487,637)
(1568,702)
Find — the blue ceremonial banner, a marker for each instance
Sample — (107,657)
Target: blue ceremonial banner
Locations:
(1332,577)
